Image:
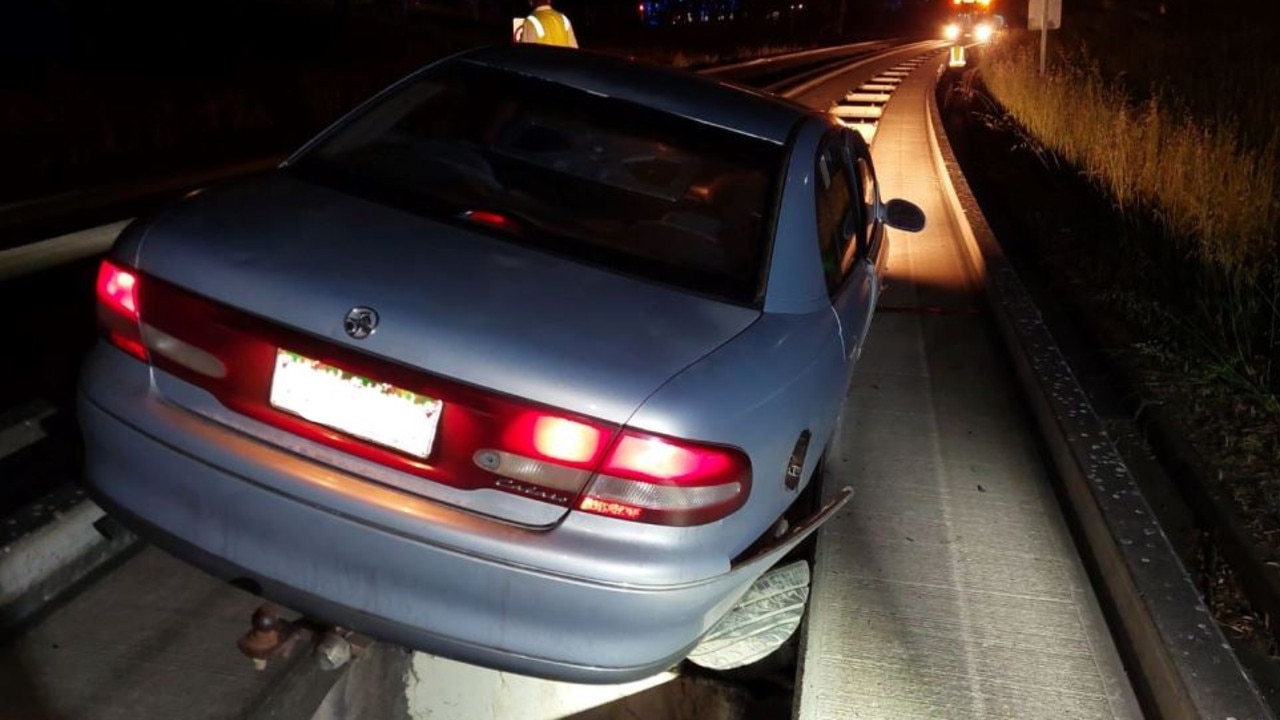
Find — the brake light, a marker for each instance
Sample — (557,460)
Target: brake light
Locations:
(542,436)
(657,459)
(495,220)
(545,456)
(664,481)
(117,291)
(567,440)
(117,288)
(642,477)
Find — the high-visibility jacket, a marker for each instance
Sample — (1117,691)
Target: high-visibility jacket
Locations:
(548,26)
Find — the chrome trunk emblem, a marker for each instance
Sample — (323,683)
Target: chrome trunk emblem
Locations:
(360,322)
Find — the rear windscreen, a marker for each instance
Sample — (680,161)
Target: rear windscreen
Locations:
(594,178)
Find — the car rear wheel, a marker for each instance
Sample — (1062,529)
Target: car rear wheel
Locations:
(774,606)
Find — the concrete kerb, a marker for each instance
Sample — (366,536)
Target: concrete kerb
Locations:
(45,563)
(1182,664)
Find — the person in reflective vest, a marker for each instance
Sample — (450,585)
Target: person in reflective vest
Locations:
(547,26)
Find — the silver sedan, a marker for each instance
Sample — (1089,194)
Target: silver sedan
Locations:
(528,361)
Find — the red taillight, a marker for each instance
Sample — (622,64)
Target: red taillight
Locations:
(655,459)
(567,440)
(642,477)
(495,220)
(668,482)
(542,436)
(117,291)
(544,456)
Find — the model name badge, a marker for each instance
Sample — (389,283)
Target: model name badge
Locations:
(515,486)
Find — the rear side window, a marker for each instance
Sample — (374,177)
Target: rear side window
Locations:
(582,175)
(866,182)
(837,209)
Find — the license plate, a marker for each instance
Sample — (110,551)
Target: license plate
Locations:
(375,411)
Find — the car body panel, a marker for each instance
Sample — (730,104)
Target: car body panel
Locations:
(331,562)
(853,306)
(760,391)
(124,390)
(470,307)
(796,283)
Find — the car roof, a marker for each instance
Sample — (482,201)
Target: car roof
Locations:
(714,102)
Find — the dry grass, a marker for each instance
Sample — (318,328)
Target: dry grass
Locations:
(1218,195)
(1212,184)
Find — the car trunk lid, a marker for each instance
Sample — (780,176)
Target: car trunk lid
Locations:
(473,332)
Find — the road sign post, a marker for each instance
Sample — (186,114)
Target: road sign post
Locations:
(1044,15)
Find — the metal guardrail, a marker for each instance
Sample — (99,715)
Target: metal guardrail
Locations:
(40,218)
(1182,665)
(768,60)
(41,233)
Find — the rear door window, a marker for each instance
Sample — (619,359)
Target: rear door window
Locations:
(838,209)
(870,196)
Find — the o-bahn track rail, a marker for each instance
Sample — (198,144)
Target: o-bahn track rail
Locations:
(1180,662)
(778,73)
(1177,657)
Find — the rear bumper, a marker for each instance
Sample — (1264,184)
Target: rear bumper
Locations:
(226,503)
(385,628)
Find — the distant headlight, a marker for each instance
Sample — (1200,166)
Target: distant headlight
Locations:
(951,32)
(982,32)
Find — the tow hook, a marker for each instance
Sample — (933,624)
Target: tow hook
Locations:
(274,638)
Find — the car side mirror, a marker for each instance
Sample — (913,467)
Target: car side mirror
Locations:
(903,215)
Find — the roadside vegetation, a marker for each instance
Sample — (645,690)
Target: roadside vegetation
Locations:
(1179,132)
(1204,161)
